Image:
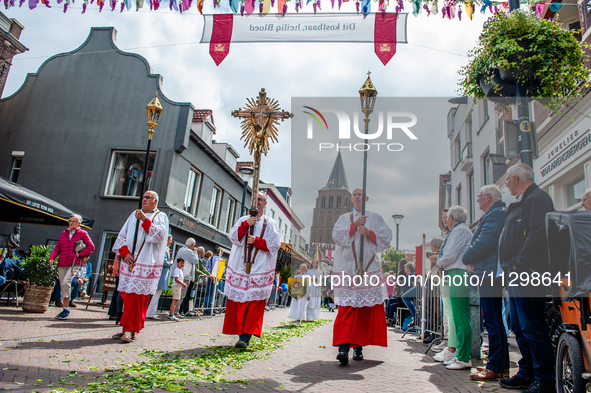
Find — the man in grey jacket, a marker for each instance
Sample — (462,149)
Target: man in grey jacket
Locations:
(191,255)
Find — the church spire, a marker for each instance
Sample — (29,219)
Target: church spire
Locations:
(337,179)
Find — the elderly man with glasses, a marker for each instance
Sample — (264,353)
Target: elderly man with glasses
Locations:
(141,267)
(523,250)
(248,289)
(70,261)
(481,260)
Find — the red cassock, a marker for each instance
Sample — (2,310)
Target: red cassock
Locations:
(134,312)
(360,326)
(244,317)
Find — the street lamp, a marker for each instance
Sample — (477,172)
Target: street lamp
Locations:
(154,109)
(246,173)
(397,218)
(367,96)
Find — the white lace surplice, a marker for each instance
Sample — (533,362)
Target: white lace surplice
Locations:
(344,264)
(241,287)
(143,279)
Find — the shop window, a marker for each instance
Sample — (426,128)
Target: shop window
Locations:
(105,263)
(126,173)
(575,190)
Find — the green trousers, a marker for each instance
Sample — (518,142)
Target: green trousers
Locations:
(459,298)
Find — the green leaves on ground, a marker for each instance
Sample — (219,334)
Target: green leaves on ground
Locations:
(171,370)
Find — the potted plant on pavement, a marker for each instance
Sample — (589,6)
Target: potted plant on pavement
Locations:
(40,275)
(546,60)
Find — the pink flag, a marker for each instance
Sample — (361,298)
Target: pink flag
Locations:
(221,34)
(385,36)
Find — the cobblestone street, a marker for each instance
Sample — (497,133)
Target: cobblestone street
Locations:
(37,349)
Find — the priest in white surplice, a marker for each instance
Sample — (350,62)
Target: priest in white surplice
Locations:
(361,319)
(313,307)
(299,303)
(248,292)
(139,272)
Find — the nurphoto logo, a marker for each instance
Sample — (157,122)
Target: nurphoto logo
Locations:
(394,122)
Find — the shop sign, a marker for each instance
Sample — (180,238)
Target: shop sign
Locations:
(565,151)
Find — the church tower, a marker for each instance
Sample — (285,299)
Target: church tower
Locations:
(334,199)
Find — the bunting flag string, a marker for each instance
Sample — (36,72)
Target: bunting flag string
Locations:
(450,9)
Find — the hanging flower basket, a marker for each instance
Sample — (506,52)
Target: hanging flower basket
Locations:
(546,60)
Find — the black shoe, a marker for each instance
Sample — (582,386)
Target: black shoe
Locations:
(240,345)
(59,303)
(538,387)
(343,355)
(515,382)
(72,304)
(357,353)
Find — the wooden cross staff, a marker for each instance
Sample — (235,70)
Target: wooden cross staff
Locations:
(259,127)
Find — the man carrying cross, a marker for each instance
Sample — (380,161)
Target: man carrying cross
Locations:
(249,282)
(360,294)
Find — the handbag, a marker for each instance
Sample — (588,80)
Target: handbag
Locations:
(80,246)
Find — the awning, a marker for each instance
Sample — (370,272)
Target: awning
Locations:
(287,255)
(19,204)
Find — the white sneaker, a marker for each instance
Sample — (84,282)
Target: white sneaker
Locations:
(439,347)
(459,365)
(444,356)
(173,318)
(179,316)
(448,362)
(298,324)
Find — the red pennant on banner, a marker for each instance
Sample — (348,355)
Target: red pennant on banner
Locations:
(385,35)
(221,34)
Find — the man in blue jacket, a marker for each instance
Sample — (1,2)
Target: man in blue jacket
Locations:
(481,260)
(523,250)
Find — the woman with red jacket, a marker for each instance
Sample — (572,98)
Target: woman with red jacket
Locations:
(70,261)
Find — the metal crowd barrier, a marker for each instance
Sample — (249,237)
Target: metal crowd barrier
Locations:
(208,297)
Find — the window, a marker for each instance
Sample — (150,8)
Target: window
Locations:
(330,202)
(482,113)
(279,226)
(15,170)
(214,209)
(192,192)
(338,201)
(272,214)
(472,209)
(575,190)
(285,233)
(126,173)
(485,168)
(459,195)
(323,204)
(456,151)
(230,214)
(288,199)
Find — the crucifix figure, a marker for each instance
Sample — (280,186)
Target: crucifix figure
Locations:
(259,127)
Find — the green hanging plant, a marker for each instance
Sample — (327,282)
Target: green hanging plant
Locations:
(546,60)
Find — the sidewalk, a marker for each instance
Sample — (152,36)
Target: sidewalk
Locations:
(68,354)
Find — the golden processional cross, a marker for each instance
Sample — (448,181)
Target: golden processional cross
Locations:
(259,127)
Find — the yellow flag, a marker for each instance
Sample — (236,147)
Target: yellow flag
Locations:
(468,5)
(266,6)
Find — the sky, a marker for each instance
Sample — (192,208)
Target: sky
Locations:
(425,67)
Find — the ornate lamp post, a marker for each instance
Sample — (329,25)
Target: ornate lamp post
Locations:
(246,173)
(368,95)
(154,110)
